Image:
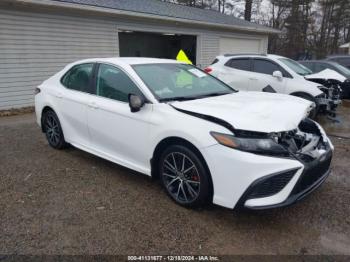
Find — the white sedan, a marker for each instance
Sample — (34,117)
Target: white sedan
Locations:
(204,140)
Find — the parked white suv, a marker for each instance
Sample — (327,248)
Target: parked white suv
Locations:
(270,73)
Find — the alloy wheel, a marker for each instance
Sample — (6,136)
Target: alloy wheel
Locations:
(181,177)
(52,130)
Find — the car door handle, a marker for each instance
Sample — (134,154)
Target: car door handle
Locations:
(252,78)
(93,105)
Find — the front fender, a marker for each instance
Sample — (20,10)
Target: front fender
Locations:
(168,122)
(306,87)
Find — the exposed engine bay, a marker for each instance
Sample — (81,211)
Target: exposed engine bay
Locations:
(305,143)
(332,95)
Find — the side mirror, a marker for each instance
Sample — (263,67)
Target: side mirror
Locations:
(278,75)
(135,103)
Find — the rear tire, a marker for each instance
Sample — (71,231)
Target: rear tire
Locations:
(314,111)
(53,130)
(184,176)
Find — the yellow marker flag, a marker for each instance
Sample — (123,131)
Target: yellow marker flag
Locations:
(182,57)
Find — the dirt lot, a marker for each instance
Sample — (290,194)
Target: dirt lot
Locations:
(70,202)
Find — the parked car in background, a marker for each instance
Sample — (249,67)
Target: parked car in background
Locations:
(272,73)
(344,60)
(205,141)
(317,66)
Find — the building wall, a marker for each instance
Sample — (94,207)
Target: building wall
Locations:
(34,45)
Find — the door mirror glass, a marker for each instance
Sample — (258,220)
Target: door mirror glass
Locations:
(135,102)
(277,74)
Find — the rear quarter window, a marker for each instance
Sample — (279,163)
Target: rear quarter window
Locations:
(79,78)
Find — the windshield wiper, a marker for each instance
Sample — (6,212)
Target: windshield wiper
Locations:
(185,98)
(176,98)
(213,94)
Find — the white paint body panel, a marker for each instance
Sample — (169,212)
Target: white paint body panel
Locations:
(328,74)
(252,81)
(108,129)
(235,171)
(253,111)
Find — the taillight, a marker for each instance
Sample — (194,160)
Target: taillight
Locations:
(37,91)
(208,70)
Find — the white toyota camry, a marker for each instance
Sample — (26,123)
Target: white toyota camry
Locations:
(204,140)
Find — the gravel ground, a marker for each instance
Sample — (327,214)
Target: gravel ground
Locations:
(71,202)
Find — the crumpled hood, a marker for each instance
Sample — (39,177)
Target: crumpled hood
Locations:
(327,74)
(252,111)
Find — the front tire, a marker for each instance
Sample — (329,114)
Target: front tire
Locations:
(53,130)
(184,176)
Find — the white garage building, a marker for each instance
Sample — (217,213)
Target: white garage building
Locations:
(39,37)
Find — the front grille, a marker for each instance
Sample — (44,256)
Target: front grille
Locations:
(312,174)
(270,185)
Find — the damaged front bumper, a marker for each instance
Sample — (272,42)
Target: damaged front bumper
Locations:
(309,179)
(327,103)
(313,149)
(260,181)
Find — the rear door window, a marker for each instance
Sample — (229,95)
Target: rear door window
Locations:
(240,63)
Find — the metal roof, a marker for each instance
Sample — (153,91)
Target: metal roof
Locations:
(170,10)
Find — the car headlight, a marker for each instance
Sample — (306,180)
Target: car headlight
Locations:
(264,146)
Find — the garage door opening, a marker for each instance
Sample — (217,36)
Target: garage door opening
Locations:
(141,44)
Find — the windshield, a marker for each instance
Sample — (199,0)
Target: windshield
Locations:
(296,67)
(342,69)
(179,82)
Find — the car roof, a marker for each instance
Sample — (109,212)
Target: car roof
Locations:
(244,54)
(128,60)
(228,56)
(338,56)
(317,61)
